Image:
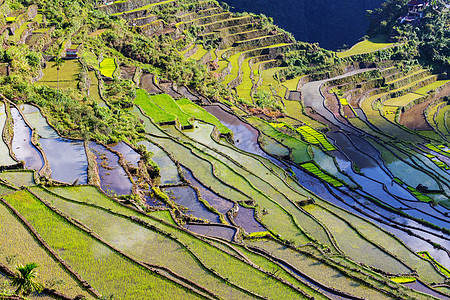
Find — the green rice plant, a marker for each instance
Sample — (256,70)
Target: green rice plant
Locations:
(403,279)
(68,75)
(5,158)
(389,242)
(431,87)
(314,137)
(94,90)
(299,149)
(312,168)
(213,258)
(39,18)
(402,100)
(169,105)
(353,244)
(5,190)
(89,257)
(234,68)
(419,195)
(10,19)
(371,45)
(18,33)
(145,244)
(19,178)
(20,247)
(441,268)
(155,112)
(321,271)
(295,110)
(201,114)
(90,58)
(343,101)
(201,51)
(244,90)
(108,67)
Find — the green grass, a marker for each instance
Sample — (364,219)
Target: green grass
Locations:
(90,258)
(424,90)
(367,46)
(108,66)
(39,18)
(291,84)
(403,279)
(311,167)
(245,88)
(156,113)
(201,114)
(167,103)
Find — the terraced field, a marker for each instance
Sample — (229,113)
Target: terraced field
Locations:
(313,186)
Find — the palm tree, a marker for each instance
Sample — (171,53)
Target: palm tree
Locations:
(24,279)
(59,61)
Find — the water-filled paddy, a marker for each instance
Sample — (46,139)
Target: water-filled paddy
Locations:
(128,153)
(213,230)
(22,147)
(67,159)
(113,178)
(186,196)
(246,219)
(38,122)
(5,158)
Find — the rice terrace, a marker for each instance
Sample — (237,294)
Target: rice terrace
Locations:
(179,149)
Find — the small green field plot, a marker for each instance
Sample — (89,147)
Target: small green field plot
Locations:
(419,195)
(94,90)
(426,89)
(66,78)
(10,19)
(201,51)
(20,247)
(146,7)
(39,18)
(295,110)
(298,148)
(156,113)
(90,257)
(5,158)
(201,114)
(4,190)
(343,101)
(90,58)
(167,103)
(18,178)
(437,149)
(441,268)
(18,33)
(314,137)
(97,33)
(234,68)
(292,84)
(272,146)
(402,100)
(404,279)
(367,46)
(108,67)
(244,90)
(312,168)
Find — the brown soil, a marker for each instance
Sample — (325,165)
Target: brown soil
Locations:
(348,111)
(332,104)
(414,118)
(148,85)
(127,72)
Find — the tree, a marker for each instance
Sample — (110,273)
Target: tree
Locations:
(59,61)
(24,279)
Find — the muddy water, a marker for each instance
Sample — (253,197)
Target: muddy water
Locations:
(5,158)
(21,143)
(219,231)
(67,159)
(131,156)
(113,178)
(186,196)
